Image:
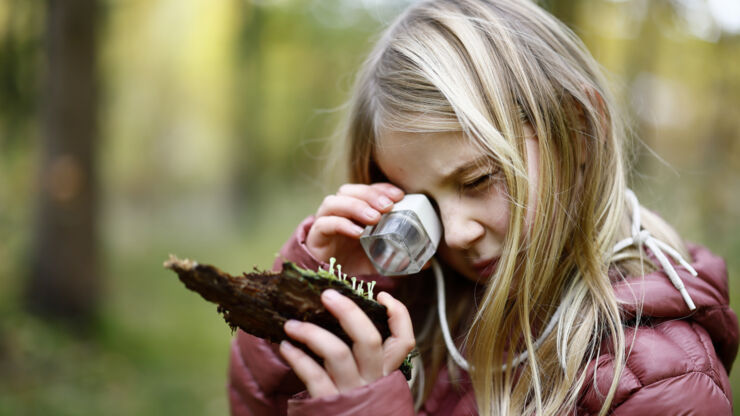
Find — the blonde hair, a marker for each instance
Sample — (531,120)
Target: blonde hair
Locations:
(487,68)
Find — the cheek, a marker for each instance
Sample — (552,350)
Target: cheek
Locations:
(495,212)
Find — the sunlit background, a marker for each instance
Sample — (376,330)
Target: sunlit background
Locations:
(139,128)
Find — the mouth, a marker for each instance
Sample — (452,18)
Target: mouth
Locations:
(485,268)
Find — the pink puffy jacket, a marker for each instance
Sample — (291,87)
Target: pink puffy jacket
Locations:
(678,361)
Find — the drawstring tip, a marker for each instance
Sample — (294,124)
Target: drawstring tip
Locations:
(687,299)
(641,236)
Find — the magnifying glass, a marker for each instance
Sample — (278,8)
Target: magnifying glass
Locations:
(404,239)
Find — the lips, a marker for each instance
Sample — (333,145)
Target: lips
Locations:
(485,268)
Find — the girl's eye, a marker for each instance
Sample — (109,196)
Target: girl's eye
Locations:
(480,183)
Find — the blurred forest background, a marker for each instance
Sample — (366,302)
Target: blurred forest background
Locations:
(131,129)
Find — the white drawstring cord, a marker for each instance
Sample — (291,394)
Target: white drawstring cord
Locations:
(641,236)
(454,353)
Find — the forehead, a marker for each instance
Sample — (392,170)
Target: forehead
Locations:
(419,161)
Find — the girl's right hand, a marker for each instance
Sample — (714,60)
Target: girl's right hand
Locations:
(341,219)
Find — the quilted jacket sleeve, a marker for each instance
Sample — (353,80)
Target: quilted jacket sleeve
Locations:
(671,369)
(261,383)
(389,395)
(693,393)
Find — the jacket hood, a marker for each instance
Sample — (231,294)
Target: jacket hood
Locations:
(709,290)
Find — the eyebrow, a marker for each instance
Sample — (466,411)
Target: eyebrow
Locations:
(467,166)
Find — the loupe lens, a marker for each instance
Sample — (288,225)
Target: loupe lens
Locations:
(398,244)
(388,255)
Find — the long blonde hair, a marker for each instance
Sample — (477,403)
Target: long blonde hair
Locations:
(487,68)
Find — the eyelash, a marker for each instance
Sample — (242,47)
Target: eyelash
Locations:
(479,183)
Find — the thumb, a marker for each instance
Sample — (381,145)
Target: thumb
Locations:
(402,340)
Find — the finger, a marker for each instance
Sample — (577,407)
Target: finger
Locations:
(317,381)
(348,207)
(380,196)
(402,340)
(338,359)
(330,226)
(392,191)
(367,344)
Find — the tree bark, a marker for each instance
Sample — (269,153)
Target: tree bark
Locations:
(64,280)
(261,302)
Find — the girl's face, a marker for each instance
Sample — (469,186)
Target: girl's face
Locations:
(469,192)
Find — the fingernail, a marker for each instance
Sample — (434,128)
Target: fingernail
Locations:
(331,295)
(384,202)
(291,324)
(286,345)
(370,213)
(397,193)
(358,230)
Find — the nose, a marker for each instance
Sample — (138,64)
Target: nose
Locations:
(461,230)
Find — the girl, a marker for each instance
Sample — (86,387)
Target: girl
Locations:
(564,295)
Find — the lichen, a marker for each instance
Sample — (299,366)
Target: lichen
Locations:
(334,272)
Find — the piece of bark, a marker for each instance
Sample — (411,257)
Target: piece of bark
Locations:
(260,302)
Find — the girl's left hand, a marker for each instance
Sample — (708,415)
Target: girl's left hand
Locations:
(369,357)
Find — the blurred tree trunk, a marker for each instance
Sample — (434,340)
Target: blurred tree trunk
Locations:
(64,281)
